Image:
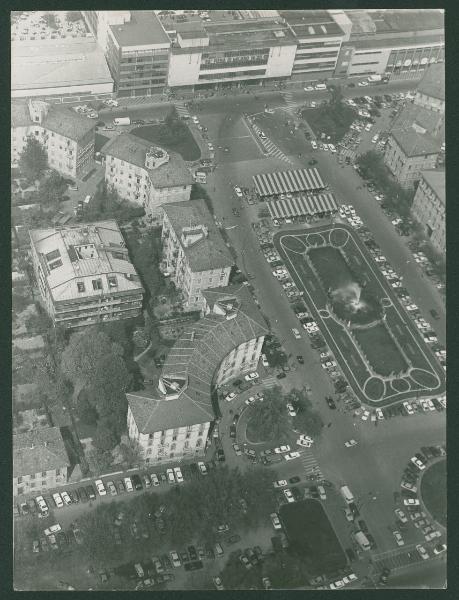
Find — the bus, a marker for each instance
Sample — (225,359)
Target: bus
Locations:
(346,494)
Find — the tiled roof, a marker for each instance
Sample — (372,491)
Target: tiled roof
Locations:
(196,356)
(415,144)
(407,130)
(210,252)
(133,149)
(433,82)
(39,450)
(435,179)
(423,117)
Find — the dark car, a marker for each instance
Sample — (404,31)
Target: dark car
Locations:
(363,526)
(74,496)
(434,313)
(234,539)
(232,431)
(83,495)
(194,566)
(137,482)
(210,554)
(138,122)
(192,552)
(258,552)
(351,85)
(330,402)
(120,486)
(91,492)
(300,359)
(384,576)
(295,479)
(221,455)
(314,491)
(281,375)
(312,162)
(354,509)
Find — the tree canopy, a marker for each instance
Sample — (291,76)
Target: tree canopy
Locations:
(51,190)
(107,204)
(33,160)
(307,420)
(270,420)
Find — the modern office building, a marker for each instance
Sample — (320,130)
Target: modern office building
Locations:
(391,42)
(136,47)
(40,461)
(194,252)
(67,137)
(59,70)
(145,174)
(430,92)
(429,207)
(84,274)
(171,420)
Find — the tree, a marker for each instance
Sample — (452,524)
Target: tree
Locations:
(270,420)
(107,204)
(33,160)
(105,438)
(307,419)
(131,453)
(99,461)
(50,20)
(51,190)
(336,95)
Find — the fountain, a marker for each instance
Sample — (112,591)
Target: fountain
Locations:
(350,296)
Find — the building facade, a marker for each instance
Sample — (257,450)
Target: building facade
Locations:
(407,154)
(145,174)
(195,255)
(171,420)
(429,207)
(40,461)
(84,274)
(67,137)
(430,93)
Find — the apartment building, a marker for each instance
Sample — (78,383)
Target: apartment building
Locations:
(194,252)
(172,419)
(136,47)
(145,174)
(391,42)
(430,93)
(319,38)
(84,274)
(40,461)
(429,207)
(414,143)
(67,137)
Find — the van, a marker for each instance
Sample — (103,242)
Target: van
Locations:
(320,86)
(362,540)
(122,121)
(346,494)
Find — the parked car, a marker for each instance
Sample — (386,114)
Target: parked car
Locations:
(128,484)
(275,521)
(58,500)
(100,487)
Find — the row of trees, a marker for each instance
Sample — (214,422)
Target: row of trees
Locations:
(106,204)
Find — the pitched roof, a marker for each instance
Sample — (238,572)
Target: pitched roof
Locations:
(435,179)
(195,357)
(407,130)
(39,450)
(133,149)
(415,144)
(433,82)
(210,252)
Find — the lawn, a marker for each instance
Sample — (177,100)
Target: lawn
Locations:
(311,535)
(186,147)
(380,349)
(334,120)
(433,491)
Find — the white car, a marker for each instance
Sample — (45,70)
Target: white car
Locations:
(296,333)
(309,88)
(409,486)
(58,500)
(170,476)
(291,411)
(306,443)
(280,483)
(362,83)
(195,119)
(398,538)
(41,503)
(314,144)
(251,376)
(275,521)
(250,400)
(411,502)
(288,494)
(350,443)
(422,552)
(322,494)
(337,585)
(349,514)
(154,479)
(379,414)
(178,474)
(282,449)
(409,409)
(128,484)
(420,465)
(175,559)
(332,148)
(324,355)
(350,578)
(365,415)
(202,467)
(439,548)
(210,145)
(401,515)
(100,487)
(238,191)
(66,498)
(292,455)
(264,360)
(230,396)
(53,529)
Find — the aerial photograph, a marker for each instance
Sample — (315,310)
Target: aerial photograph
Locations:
(228,300)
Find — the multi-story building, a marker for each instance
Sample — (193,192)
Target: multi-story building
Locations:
(430,92)
(59,70)
(145,174)
(136,47)
(391,42)
(84,274)
(429,207)
(194,252)
(319,38)
(171,421)
(67,137)
(40,461)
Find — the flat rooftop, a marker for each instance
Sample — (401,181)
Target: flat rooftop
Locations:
(393,21)
(143,29)
(311,23)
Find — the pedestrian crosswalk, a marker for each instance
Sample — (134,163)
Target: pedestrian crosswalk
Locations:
(182,110)
(270,382)
(270,148)
(310,464)
(397,559)
(291,106)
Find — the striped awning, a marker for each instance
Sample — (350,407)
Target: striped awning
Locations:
(302,205)
(281,182)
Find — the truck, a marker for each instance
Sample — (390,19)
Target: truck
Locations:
(346,494)
(374,79)
(121,121)
(362,540)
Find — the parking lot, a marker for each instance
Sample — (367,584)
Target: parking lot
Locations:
(37,25)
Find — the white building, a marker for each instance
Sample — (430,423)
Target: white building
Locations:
(145,174)
(84,274)
(194,252)
(67,137)
(171,421)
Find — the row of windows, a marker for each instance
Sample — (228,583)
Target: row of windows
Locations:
(368,52)
(235,53)
(316,45)
(253,73)
(56,473)
(234,62)
(317,66)
(375,62)
(317,55)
